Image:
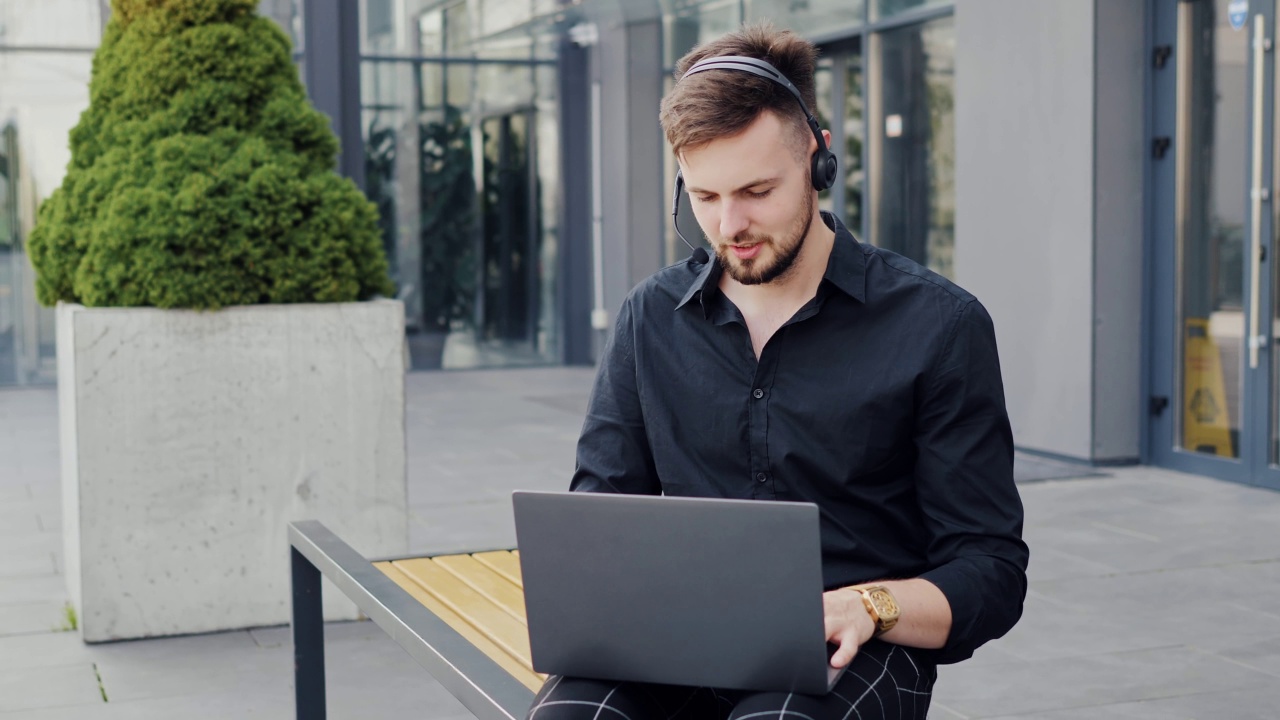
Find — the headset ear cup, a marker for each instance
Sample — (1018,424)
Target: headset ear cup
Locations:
(824,170)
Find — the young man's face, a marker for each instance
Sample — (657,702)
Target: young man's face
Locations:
(753,198)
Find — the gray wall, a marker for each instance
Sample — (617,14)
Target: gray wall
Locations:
(1049,211)
(1120,55)
(627,63)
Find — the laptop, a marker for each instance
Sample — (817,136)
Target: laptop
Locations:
(684,591)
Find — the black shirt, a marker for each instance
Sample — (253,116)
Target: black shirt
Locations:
(880,401)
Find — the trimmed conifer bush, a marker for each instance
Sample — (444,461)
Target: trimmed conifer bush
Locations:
(200,175)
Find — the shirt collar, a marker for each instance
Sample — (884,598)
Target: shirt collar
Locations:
(707,278)
(846,268)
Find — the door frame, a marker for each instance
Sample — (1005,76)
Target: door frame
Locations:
(1161,367)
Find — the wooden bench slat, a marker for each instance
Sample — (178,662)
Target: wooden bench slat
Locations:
(488,618)
(504,562)
(518,669)
(496,588)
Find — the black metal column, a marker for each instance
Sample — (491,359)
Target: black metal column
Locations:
(575,206)
(331,38)
(308,639)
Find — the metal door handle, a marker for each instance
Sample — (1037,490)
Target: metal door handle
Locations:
(1258,194)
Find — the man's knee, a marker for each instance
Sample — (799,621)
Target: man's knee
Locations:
(573,698)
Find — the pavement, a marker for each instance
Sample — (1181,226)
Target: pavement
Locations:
(1152,595)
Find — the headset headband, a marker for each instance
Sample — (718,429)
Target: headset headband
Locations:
(759,68)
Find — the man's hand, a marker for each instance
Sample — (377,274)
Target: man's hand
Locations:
(848,623)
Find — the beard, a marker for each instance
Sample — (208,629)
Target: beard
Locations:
(764,267)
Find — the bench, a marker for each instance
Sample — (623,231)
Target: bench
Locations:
(461,617)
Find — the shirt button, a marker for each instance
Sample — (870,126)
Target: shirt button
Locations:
(761,477)
(757,393)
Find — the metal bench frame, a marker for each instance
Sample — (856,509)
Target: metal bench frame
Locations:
(478,682)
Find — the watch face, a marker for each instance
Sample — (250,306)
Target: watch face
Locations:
(884,603)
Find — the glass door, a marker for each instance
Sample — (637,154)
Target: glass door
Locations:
(839,81)
(508,303)
(1214,400)
(912,141)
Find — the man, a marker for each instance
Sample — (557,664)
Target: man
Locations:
(802,365)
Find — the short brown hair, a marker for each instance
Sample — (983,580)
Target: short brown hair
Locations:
(721,103)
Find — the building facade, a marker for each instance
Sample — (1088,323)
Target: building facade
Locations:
(1097,172)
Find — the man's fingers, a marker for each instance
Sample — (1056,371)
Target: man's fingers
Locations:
(844,656)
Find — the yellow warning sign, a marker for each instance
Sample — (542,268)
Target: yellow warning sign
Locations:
(1206,423)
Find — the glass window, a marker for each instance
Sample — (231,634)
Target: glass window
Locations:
(692,22)
(288,14)
(41,98)
(822,82)
(839,85)
(457,29)
(462,159)
(431,32)
(913,143)
(1212,164)
(853,130)
(886,8)
(809,17)
(9,259)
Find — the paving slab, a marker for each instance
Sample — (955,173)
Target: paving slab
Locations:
(1142,610)
(460,527)
(18,522)
(1050,563)
(50,521)
(63,686)
(39,617)
(13,491)
(1108,678)
(369,676)
(1029,468)
(27,589)
(938,711)
(45,649)
(188,665)
(1262,655)
(33,554)
(1236,705)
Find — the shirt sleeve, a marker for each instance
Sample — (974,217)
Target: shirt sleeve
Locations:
(613,450)
(964,473)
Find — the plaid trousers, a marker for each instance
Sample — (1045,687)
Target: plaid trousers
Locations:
(883,681)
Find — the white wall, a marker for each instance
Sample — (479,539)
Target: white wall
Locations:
(1024,196)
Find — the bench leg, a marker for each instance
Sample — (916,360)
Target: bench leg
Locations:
(308,639)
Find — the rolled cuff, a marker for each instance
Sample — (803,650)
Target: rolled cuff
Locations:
(985,594)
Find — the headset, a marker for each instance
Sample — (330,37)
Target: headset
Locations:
(823,169)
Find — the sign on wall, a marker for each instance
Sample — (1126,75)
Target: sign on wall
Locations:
(1237,13)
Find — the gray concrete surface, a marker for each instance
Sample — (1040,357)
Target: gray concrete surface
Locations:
(189,454)
(1152,592)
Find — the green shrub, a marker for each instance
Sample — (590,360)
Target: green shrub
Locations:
(200,176)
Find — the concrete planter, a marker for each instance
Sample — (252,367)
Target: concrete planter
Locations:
(190,438)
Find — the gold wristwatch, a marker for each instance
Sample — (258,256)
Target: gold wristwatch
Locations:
(881,606)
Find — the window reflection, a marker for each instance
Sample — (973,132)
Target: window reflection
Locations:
(881,9)
(463,162)
(809,17)
(9,258)
(853,130)
(1212,159)
(913,144)
(839,83)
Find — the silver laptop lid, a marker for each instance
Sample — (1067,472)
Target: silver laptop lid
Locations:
(689,591)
